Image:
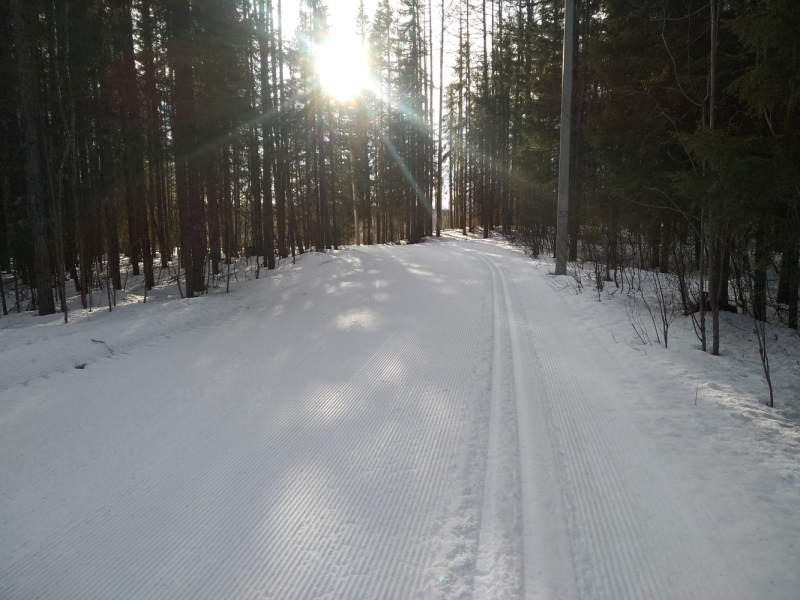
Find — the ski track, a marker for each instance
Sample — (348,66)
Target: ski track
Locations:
(387,422)
(497,570)
(627,542)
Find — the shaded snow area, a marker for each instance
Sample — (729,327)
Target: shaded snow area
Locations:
(444,420)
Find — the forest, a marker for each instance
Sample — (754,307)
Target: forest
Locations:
(348,299)
(179,135)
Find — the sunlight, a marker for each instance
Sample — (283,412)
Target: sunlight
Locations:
(341,63)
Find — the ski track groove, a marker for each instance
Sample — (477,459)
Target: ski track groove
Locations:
(593,500)
(598,521)
(606,529)
(489,525)
(598,517)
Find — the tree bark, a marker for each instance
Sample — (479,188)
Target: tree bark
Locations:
(134,153)
(154,147)
(187,174)
(212,198)
(760,277)
(29,114)
(441,105)
(485,133)
(267,117)
(282,173)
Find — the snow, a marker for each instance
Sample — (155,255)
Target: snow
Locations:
(443,420)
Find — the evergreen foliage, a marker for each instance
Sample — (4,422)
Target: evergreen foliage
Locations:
(182,133)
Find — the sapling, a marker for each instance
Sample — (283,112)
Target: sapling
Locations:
(668,307)
(635,318)
(3,296)
(759,322)
(760,329)
(637,297)
(598,279)
(108,285)
(178,276)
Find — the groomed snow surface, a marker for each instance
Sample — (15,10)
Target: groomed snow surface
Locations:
(445,420)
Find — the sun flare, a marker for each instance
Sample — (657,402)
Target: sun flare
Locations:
(341,63)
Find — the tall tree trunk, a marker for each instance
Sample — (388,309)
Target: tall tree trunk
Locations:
(187,176)
(227,204)
(715,282)
(154,146)
(283,168)
(109,192)
(29,114)
(267,117)
(441,106)
(794,281)
(256,220)
(715,244)
(212,197)
(134,153)
(461,131)
(318,113)
(485,134)
(760,276)
(322,176)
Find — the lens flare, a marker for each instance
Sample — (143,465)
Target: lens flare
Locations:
(341,64)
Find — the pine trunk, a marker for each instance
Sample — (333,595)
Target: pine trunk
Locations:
(29,116)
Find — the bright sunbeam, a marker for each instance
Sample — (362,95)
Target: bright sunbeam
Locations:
(341,63)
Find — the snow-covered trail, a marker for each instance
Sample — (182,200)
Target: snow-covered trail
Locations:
(388,422)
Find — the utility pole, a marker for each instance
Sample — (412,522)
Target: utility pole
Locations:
(441,98)
(562,231)
(353,182)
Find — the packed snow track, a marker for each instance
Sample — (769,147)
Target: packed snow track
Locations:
(400,422)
